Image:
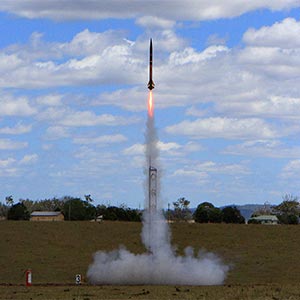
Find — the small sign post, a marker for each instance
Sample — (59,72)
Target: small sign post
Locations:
(78,279)
(28,275)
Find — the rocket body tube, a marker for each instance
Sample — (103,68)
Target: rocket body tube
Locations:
(150,83)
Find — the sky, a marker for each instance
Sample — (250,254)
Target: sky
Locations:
(73,96)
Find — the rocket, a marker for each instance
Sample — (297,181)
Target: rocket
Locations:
(150,83)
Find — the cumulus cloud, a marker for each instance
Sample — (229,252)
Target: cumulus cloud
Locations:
(193,111)
(12,167)
(7,167)
(291,169)
(57,132)
(7,144)
(270,106)
(88,118)
(155,22)
(113,63)
(50,100)
(191,56)
(227,128)
(87,42)
(100,140)
(168,148)
(284,34)
(89,9)
(15,106)
(264,148)
(28,159)
(18,129)
(67,117)
(6,162)
(202,171)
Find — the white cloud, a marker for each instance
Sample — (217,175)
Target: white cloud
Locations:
(168,146)
(136,149)
(221,168)
(88,118)
(274,106)
(284,34)
(139,149)
(4,163)
(193,111)
(28,159)
(57,132)
(19,106)
(271,62)
(89,43)
(100,140)
(6,144)
(154,22)
(38,67)
(202,171)
(291,170)
(264,148)
(224,128)
(18,129)
(187,10)
(9,172)
(50,100)
(191,56)
(196,174)
(12,167)
(193,147)
(67,117)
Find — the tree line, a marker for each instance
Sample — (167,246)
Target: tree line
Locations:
(73,209)
(287,212)
(205,212)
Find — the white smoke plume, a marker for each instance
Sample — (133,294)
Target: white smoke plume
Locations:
(159,265)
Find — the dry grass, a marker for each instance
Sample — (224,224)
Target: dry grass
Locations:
(264,259)
(238,292)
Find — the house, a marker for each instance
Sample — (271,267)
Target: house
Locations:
(46,216)
(264,219)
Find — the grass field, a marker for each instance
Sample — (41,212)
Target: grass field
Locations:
(264,260)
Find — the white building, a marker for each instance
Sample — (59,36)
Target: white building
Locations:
(264,219)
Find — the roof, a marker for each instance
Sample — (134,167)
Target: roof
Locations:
(266,218)
(45,213)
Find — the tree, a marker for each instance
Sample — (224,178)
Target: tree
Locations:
(121,213)
(181,209)
(88,198)
(53,204)
(288,210)
(3,210)
(18,212)
(266,209)
(207,213)
(9,200)
(231,214)
(77,210)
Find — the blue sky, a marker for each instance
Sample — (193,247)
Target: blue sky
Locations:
(73,99)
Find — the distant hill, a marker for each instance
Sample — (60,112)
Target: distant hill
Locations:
(248,209)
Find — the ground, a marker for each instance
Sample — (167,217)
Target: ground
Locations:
(263,260)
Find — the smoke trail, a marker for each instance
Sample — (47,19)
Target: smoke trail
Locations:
(160,264)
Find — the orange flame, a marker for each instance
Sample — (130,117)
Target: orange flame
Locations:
(150,105)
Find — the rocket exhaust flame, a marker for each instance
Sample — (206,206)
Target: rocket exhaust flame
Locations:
(150,105)
(153,267)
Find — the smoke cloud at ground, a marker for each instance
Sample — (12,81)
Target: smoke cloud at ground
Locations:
(160,264)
